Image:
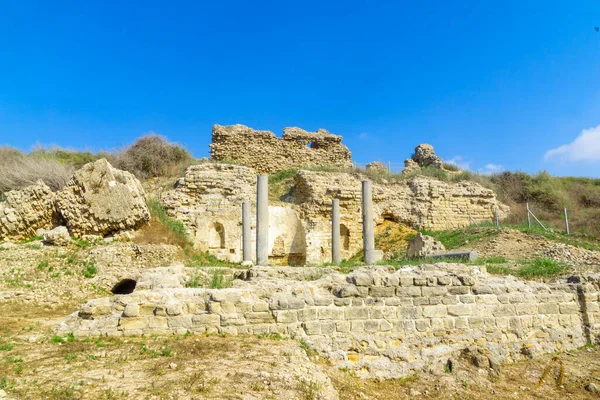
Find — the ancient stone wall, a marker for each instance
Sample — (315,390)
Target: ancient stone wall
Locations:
(265,152)
(421,203)
(208,200)
(376,321)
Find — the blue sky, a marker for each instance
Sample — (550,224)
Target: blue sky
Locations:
(492,85)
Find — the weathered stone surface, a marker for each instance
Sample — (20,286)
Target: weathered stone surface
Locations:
(265,152)
(423,246)
(25,211)
(382,323)
(101,200)
(424,156)
(208,200)
(421,203)
(58,236)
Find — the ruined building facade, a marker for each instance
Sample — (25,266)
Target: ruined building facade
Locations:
(265,152)
(208,200)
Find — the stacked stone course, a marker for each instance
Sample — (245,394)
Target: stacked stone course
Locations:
(376,320)
(265,152)
(421,203)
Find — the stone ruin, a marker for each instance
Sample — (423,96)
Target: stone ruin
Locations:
(424,157)
(208,200)
(376,321)
(265,152)
(423,246)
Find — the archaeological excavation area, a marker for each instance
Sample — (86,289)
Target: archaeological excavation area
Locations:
(278,253)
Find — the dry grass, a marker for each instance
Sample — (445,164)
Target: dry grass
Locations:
(18,171)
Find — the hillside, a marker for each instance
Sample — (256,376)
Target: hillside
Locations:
(134,296)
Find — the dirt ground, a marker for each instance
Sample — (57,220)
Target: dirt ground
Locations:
(41,286)
(35,364)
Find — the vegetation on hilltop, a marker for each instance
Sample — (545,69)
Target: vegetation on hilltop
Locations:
(149,157)
(154,156)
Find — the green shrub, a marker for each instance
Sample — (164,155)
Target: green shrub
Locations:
(153,156)
(217,280)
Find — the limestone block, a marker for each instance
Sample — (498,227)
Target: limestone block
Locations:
(58,236)
(423,246)
(132,310)
(22,212)
(101,200)
(435,311)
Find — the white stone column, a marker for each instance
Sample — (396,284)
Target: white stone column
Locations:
(246,232)
(335,231)
(262,220)
(368,223)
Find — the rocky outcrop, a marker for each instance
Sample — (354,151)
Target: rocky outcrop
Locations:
(25,211)
(425,157)
(423,246)
(100,200)
(377,321)
(376,167)
(265,152)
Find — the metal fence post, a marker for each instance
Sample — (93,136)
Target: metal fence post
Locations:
(567,221)
(497,219)
(528,217)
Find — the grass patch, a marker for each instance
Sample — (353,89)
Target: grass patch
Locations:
(166,230)
(6,347)
(89,268)
(218,280)
(529,269)
(282,175)
(32,239)
(498,269)
(541,267)
(453,239)
(495,260)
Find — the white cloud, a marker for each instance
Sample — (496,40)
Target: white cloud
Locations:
(459,162)
(491,168)
(363,136)
(585,147)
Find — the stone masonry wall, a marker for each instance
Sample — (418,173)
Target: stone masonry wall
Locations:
(375,320)
(208,200)
(421,203)
(265,152)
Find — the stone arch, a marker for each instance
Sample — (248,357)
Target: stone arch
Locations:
(345,237)
(216,236)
